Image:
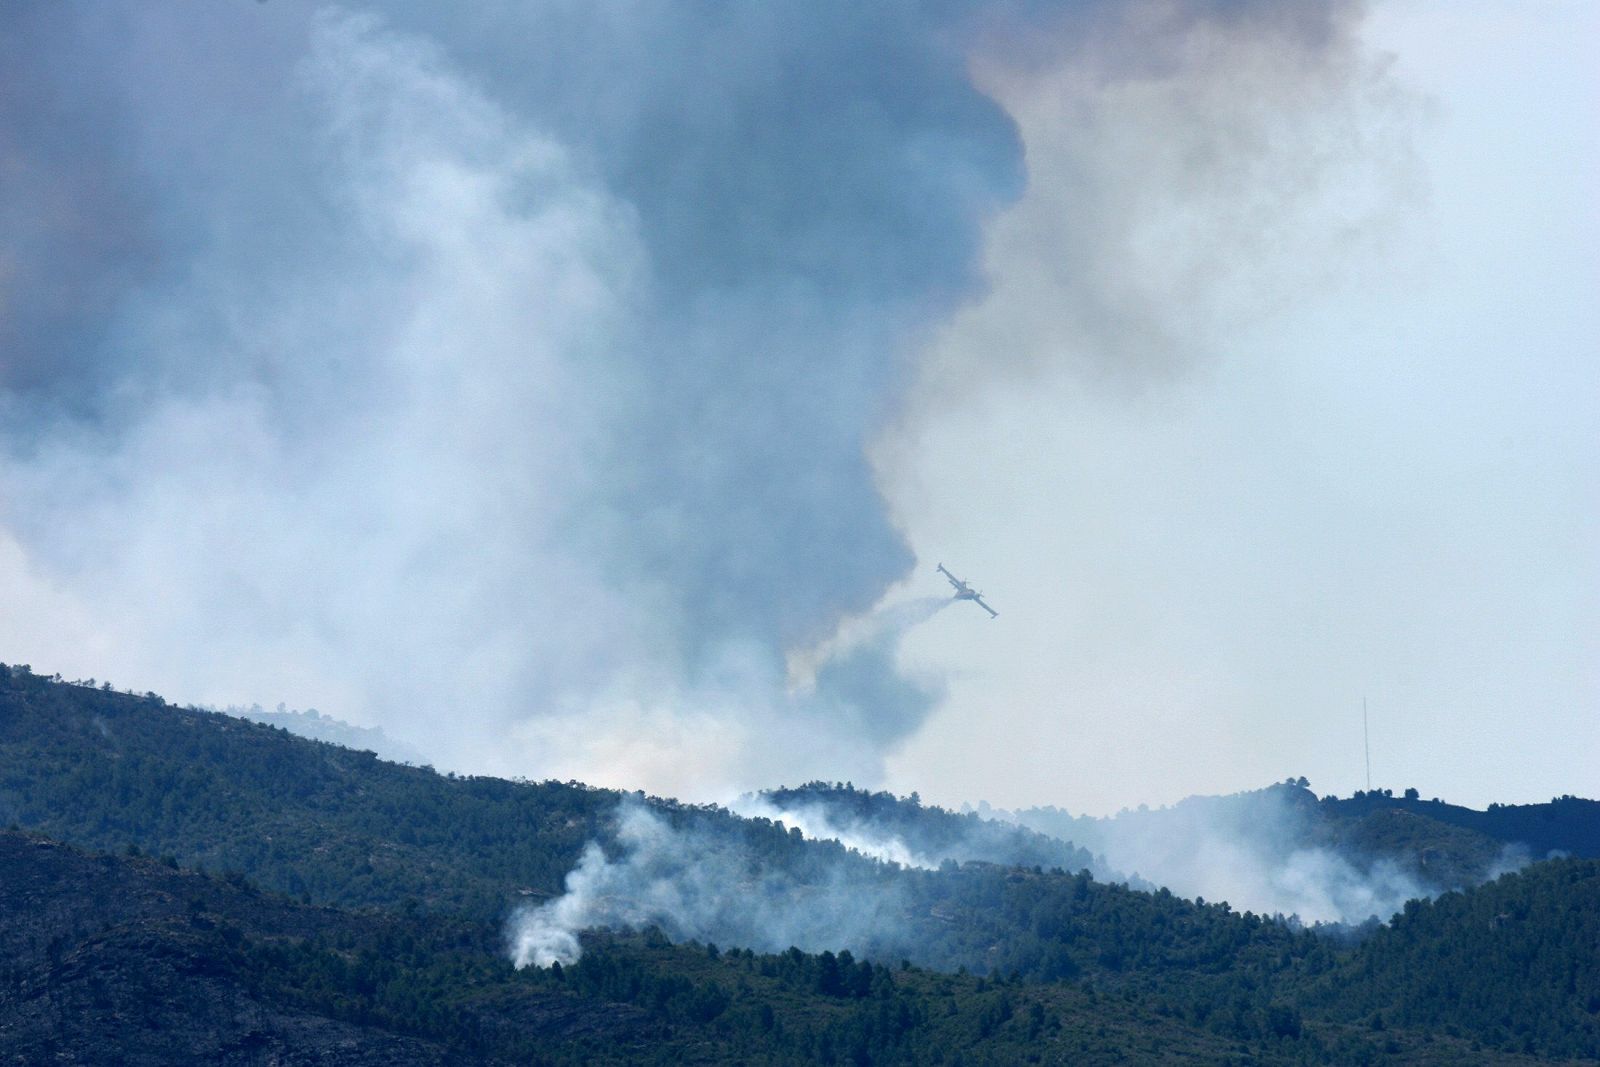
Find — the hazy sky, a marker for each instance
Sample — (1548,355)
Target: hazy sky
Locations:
(546,383)
(1380,483)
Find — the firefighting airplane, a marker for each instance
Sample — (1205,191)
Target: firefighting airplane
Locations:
(966,592)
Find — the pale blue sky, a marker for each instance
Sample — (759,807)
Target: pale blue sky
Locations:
(1387,488)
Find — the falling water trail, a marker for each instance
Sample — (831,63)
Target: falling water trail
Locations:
(881,628)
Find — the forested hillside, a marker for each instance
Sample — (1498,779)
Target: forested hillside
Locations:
(1057,963)
(1276,851)
(1565,824)
(1443,846)
(111,959)
(929,834)
(107,770)
(1515,963)
(104,770)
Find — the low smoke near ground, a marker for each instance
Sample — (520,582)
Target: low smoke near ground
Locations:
(1255,855)
(319,727)
(736,884)
(711,886)
(1267,851)
(817,822)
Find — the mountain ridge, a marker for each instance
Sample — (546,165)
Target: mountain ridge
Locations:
(331,827)
(133,960)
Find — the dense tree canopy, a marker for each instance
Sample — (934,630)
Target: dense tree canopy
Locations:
(986,962)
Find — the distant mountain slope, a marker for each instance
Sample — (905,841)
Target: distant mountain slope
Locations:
(319,727)
(889,826)
(1281,849)
(1566,825)
(1376,824)
(1277,850)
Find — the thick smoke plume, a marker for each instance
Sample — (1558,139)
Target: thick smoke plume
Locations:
(473,390)
(507,376)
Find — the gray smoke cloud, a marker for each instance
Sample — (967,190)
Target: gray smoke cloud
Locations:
(545,407)
(505,375)
(1193,169)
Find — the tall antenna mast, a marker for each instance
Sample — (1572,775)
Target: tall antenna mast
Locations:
(1366,745)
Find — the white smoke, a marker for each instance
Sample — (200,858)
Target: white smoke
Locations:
(549,933)
(816,822)
(884,625)
(1267,852)
(698,885)
(357,513)
(1264,852)
(1315,885)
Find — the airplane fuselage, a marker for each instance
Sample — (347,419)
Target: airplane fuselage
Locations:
(966,592)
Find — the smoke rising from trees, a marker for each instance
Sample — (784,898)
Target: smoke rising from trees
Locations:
(704,885)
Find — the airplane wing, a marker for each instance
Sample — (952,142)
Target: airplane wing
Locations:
(952,579)
(993,614)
